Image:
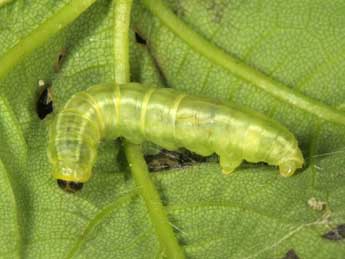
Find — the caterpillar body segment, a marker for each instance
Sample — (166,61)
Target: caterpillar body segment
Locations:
(170,119)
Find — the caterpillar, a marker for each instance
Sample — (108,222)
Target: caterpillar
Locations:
(167,118)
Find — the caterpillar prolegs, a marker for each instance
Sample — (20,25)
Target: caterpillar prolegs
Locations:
(170,119)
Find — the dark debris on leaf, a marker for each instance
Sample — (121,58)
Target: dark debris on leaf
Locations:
(44,104)
(335,234)
(166,160)
(139,39)
(291,254)
(59,60)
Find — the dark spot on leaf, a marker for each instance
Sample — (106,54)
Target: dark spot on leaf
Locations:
(216,11)
(44,104)
(336,234)
(166,160)
(178,8)
(69,186)
(139,39)
(59,60)
(291,254)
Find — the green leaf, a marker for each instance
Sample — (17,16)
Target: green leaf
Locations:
(252,214)
(11,138)
(9,217)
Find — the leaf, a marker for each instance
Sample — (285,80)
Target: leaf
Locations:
(266,39)
(11,139)
(9,217)
(251,214)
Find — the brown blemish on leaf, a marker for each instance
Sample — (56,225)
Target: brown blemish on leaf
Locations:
(336,234)
(178,8)
(44,104)
(166,160)
(216,10)
(59,60)
(291,254)
(140,39)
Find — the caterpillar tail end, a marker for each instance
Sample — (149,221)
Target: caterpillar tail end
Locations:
(289,167)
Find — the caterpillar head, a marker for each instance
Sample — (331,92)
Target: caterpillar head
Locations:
(70,177)
(71,162)
(69,186)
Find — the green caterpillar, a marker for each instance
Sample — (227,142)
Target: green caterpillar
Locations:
(168,118)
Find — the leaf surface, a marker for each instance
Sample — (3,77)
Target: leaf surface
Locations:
(252,214)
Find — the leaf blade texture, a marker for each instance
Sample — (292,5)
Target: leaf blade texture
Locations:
(252,214)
